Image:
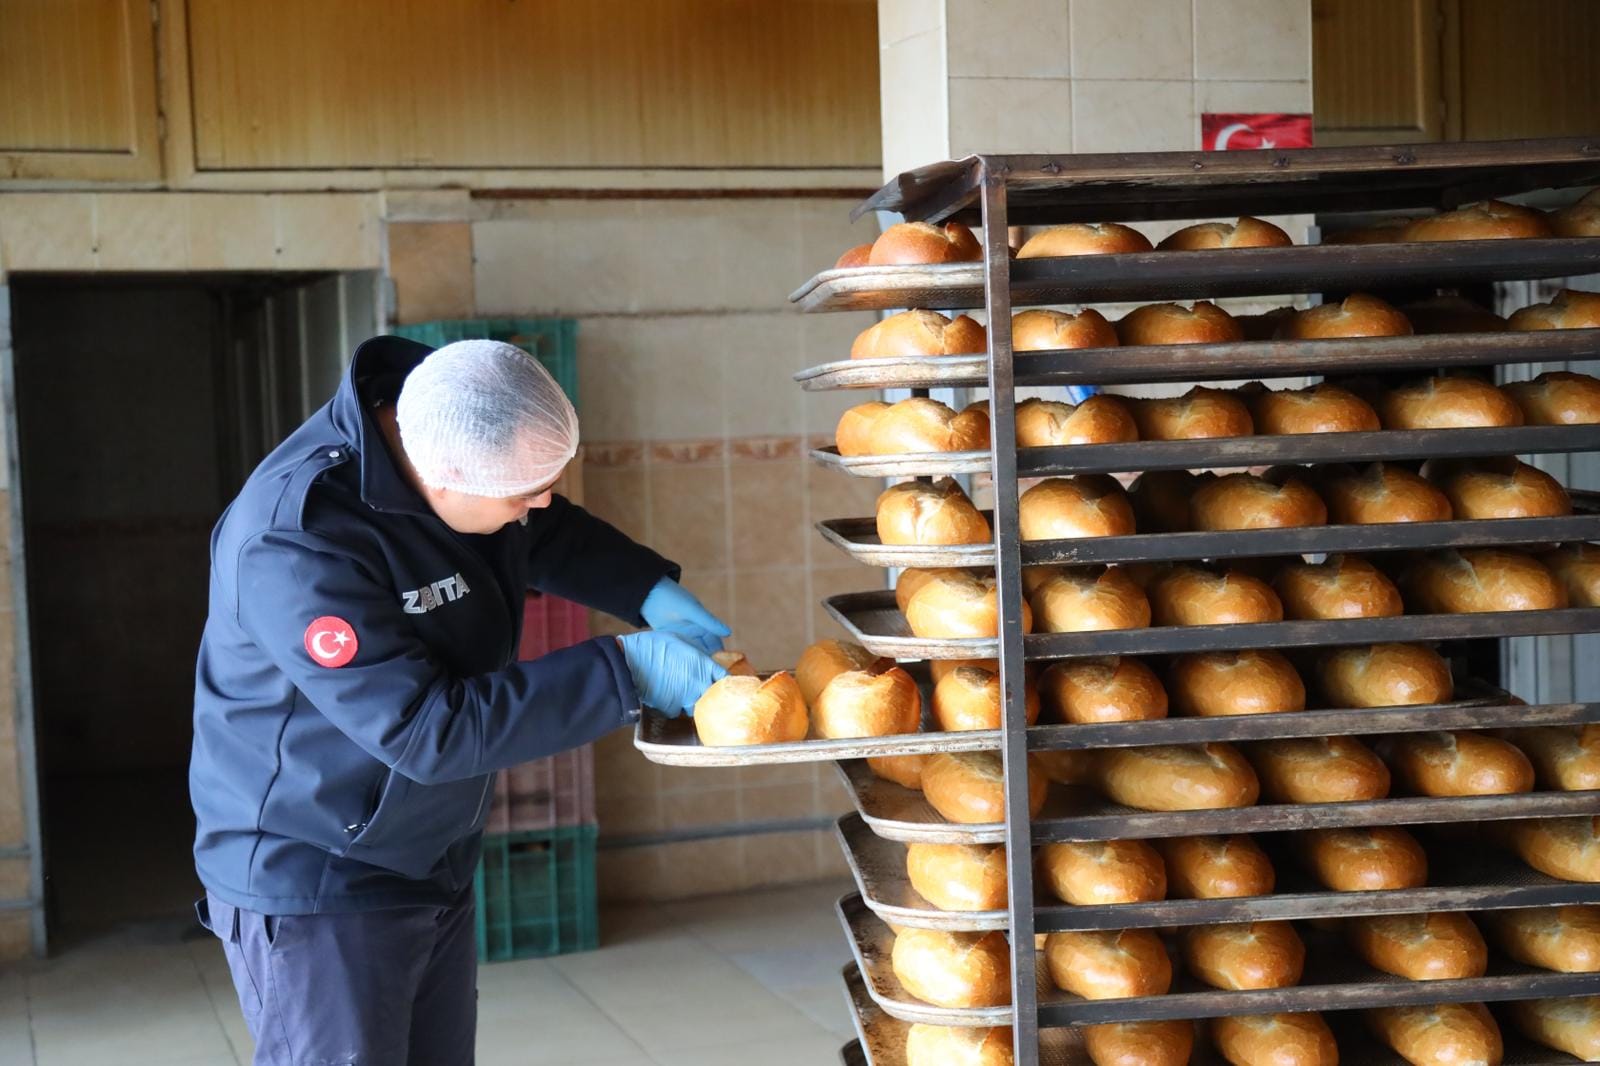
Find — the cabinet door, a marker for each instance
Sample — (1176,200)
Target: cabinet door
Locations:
(1375,71)
(1521,69)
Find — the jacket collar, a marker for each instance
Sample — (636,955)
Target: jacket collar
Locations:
(382,485)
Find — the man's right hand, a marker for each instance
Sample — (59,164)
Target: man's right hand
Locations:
(669,673)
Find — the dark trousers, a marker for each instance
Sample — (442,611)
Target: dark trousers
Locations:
(372,988)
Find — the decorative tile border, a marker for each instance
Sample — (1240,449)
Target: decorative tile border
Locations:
(703,452)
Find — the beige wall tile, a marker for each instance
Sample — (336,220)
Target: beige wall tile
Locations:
(431,264)
(627,875)
(913,100)
(780,858)
(833,796)
(837,495)
(831,861)
(758,252)
(1149,39)
(1010,115)
(621,815)
(1246,40)
(620,770)
(1227,97)
(689,515)
(565,258)
(47,231)
(773,803)
(1008,38)
(899,19)
(685,810)
(695,779)
(328,231)
(674,251)
(231,231)
(141,231)
(825,230)
(427,205)
(793,773)
(701,868)
(618,495)
(683,395)
(16,936)
(768,513)
(769,615)
(14,874)
(613,356)
(12,829)
(827,338)
(760,355)
(1133,116)
(835,581)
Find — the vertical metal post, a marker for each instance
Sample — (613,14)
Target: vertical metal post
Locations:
(1008,573)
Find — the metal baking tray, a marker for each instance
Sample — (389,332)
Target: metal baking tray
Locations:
(1159,275)
(1146,363)
(1260,450)
(1334,980)
(1460,880)
(858,538)
(898,813)
(873,620)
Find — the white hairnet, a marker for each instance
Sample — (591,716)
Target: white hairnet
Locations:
(484,418)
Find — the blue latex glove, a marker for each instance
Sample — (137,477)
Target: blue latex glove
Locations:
(1076,394)
(671,608)
(669,673)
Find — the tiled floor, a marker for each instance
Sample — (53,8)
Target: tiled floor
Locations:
(744,979)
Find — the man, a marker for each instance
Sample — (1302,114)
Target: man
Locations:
(357,689)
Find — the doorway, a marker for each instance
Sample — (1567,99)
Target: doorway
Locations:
(142,404)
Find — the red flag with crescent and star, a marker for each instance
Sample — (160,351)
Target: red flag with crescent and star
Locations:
(331,641)
(1235,132)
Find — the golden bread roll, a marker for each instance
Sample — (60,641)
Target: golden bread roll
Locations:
(1067,766)
(1577,567)
(938,668)
(1246,233)
(853,435)
(825,660)
(969,787)
(918,333)
(1457,764)
(741,710)
(1498,488)
(1564,757)
(1245,956)
(1115,689)
(1165,1043)
(1383,675)
(958,1045)
(1439,1034)
(1452,314)
(879,701)
(1216,867)
(1484,221)
(959,605)
(1095,873)
(1063,508)
(1570,1025)
(913,578)
(959,877)
(734,662)
(1571,309)
(1084,238)
(954,970)
(1448,403)
(969,698)
(1383,492)
(1109,964)
(1178,777)
(1557,398)
(1200,413)
(923,425)
(1079,599)
(1564,848)
(915,243)
(859,256)
(903,770)
(1039,330)
(1275,1040)
(1358,315)
(1190,595)
(1100,419)
(1318,770)
(1320,408)
(1564,939)
(1245,501)
(1481,579)
(1440,946)
(915,512)
(1343,586)
(1214,684)
(1202,323)
(1161,498)
(1578,220)
(1367,859)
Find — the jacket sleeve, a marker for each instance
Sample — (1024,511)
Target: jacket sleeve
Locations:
(574,555)
(394,699)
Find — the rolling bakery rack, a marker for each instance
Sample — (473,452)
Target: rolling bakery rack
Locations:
(997,192)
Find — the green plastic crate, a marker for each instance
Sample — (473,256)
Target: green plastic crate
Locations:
(553,341)
(536,894)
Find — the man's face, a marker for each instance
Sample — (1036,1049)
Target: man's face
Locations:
(465,513)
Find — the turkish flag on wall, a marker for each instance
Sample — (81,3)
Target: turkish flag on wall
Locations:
(1221,133)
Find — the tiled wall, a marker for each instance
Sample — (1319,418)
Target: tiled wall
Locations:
(15,932)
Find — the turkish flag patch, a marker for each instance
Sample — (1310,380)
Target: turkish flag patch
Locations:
(1225,132)
(331,641)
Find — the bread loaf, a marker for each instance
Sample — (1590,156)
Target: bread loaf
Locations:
(1343,586)
(1383,675)
(1116,689)
(923,425)
(1061,508)
(1570,309)
(1275,1040)
(954,970)
(1578,220)
(1039,330)
(941,1045)
(1080,599)
(1321,408)
(1480,579)
(1382,492)
(1439,1034)
(919,333)
(1215,867)
(903,770)
(969,787)
(1166,1043)
(734,662)
(740,710)
(1096,873)
(853,435)
(1457,764)
(959,605)
(958,877)
(1191,777)
(1577,567)
(825,660)
(1100,419)
(1249,955)
(1358,315)
(881,700)
(915,243)
(1564,848)
(1190,595)
(1371,859)
(1084,238)
(1202,323)
(1557,398)
(1421,947)
(1488,220)
(1564,939)
(1498,488)
(1245,233)
(1245,501)
(938,668)
(969,698)
(915,512)
(1570,1025)
(1217,683)
(1318,770)
(1448,403)
(1161,498)
(1564,757)
(1200,413)
(1067,766)
(1108,964)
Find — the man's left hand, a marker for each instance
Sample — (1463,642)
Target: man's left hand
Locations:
(671,608)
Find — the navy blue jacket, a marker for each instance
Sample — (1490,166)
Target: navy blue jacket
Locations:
(320,787)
